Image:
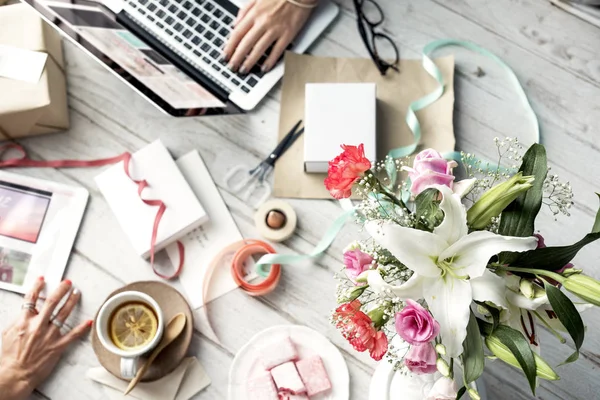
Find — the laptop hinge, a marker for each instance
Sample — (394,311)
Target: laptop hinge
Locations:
(205,80)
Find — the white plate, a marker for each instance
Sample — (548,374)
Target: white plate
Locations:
(308,342)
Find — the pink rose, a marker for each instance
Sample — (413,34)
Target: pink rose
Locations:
(443,389)
(421,359)
(429,169)
(415,324)
(356,263)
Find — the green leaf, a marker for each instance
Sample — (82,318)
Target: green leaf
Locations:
(596,227)
(568,315)
(495,313)
(553,258)
(519,217)
(473,357)
(461,392)
(519,347)
(428,213)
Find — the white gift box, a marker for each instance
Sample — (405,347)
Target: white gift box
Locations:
(336,114)
(183,214)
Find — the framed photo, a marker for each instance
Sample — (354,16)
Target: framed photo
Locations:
(39,221)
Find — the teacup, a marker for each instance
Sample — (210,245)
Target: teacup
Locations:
(129,358)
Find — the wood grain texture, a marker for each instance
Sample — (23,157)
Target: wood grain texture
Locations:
(556,56)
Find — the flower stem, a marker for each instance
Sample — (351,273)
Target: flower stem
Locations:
(557,277)
(551,329)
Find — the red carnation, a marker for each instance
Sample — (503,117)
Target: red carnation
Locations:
(345,170)
(357,328)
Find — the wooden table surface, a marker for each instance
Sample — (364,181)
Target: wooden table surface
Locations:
(557,57)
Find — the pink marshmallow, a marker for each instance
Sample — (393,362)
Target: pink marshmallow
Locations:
(287,379)
(262,388)
(285,396)
(314,375)
(278,353)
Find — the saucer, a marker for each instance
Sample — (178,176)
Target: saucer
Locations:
(171,302)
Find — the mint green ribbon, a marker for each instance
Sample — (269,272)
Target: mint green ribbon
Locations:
(415,128)
(425,101)
(334,229)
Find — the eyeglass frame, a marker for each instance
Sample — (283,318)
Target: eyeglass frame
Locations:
(382,65)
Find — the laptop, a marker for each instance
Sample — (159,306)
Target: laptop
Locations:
(169,51)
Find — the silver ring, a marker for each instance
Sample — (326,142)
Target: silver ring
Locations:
(57,323)
(29,306)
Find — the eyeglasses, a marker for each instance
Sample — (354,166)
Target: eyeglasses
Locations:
(369,17)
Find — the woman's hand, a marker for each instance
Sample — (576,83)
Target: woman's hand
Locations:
(32,346)
(260,24)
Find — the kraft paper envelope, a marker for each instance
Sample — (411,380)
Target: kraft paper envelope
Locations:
(395,91)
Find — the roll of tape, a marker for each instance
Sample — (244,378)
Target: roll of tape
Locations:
(275,220)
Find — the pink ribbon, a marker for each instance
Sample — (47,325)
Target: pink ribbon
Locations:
(23,161)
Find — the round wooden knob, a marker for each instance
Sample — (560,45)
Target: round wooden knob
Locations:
(276,219)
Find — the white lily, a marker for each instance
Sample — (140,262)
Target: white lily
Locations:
(449,265)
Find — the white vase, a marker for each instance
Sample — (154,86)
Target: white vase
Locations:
(388,384)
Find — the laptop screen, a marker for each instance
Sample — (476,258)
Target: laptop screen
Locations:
(94,28)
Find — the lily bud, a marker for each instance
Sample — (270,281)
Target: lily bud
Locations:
(378,317)
(494,201)
(363,276)
(543,370)
(584,287)
(440,349)
(527,288)
(474,394)
(353,294)
(443,367)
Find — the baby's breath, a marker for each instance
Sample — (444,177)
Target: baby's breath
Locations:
(558,196)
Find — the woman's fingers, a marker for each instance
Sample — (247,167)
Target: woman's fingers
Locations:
(258,50)
(277,51)
(245,47)
(243,11)
(76,333)
(53,300)
(237,35)
(33,295)
(62,315)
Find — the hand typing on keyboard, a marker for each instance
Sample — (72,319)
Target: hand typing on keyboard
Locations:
(265,26)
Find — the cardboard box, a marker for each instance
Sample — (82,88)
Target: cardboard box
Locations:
(336,114)
(28,109)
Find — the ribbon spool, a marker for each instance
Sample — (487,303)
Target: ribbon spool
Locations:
(251,248)
(275,220)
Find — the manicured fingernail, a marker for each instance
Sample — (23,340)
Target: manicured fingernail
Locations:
(231,66)
(76,292)
(90,322)
(243,70)
(41,278)
(68,282)
(265,68)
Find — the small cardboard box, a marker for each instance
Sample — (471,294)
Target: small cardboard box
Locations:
(28,109)
(336,114)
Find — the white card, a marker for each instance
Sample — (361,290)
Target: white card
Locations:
(204,243)
(21,64)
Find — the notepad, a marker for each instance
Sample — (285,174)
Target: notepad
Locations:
(183,214)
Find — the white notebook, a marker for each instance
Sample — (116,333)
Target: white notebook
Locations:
(183,214)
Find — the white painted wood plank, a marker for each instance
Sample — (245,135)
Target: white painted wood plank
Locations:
(102,126)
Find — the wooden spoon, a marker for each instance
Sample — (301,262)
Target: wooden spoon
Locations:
(172,332)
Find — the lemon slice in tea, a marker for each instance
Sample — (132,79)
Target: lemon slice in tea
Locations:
(132,326)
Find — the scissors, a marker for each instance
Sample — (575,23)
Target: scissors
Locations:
(252,183)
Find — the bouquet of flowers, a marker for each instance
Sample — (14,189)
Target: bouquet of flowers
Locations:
(455,269)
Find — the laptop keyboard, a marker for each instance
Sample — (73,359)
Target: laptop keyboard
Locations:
(200,29)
